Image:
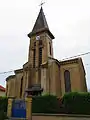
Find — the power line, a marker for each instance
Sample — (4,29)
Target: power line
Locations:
(6,72)
(62,59)
(13,70)
(77,55)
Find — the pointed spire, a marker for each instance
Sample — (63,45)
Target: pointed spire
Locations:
(41,22)
(40,25)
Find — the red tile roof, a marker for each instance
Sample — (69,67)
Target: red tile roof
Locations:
(2,88)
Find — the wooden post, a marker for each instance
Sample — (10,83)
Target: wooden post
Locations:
(29,108)
(9,109)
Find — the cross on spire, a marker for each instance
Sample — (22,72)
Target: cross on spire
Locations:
(42,3)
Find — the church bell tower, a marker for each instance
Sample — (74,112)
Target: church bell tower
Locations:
(40,49)
(40,42)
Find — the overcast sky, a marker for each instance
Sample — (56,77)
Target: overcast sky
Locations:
(68,20)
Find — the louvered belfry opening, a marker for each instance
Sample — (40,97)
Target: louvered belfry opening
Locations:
(40,42)
(40,52)
(40,56)
(34,54)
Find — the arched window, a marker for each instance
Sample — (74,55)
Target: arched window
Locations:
(21,87)
(67,81)
(50,49)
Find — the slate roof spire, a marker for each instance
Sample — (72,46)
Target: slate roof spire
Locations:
(40,25)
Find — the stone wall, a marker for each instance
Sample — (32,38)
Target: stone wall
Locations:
(59,117)
(19,75)
(77,76)
(10,86)
(54,78)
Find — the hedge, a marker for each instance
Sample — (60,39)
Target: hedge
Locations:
(45,104)
(70,103)
(76,103)
(3,108)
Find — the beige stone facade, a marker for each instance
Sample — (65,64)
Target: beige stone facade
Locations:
(55,77)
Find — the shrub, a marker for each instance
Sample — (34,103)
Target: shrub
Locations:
(3,115)
(45,104)
(45,94)
(70,103)
(3,107)
(3,103)
(76,103)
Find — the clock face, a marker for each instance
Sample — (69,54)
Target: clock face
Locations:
(37,37)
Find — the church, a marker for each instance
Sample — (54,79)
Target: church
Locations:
(42,73)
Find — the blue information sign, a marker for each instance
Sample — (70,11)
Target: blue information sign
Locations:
(19,109)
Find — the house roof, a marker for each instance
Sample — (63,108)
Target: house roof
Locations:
(2,88)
